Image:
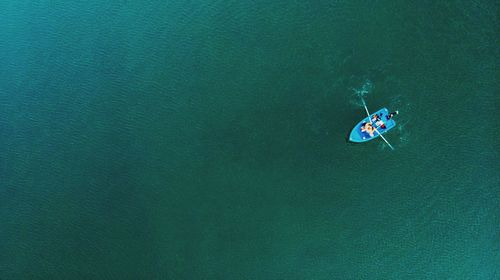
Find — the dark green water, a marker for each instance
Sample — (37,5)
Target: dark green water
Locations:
(207,140)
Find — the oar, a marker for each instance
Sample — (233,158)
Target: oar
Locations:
(383,138)
(366,109)
(370,119)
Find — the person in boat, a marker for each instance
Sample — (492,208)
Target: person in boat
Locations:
(368,128)
(380,124)
(378,121)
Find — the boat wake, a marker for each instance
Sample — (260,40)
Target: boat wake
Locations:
(361,92)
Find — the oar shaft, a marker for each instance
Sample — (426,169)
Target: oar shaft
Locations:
(366,108)
(383,138)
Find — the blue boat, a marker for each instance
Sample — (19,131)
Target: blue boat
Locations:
(359,136)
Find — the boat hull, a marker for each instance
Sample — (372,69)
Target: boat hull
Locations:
(358,136)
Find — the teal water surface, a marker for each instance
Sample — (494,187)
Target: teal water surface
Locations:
(207,140)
